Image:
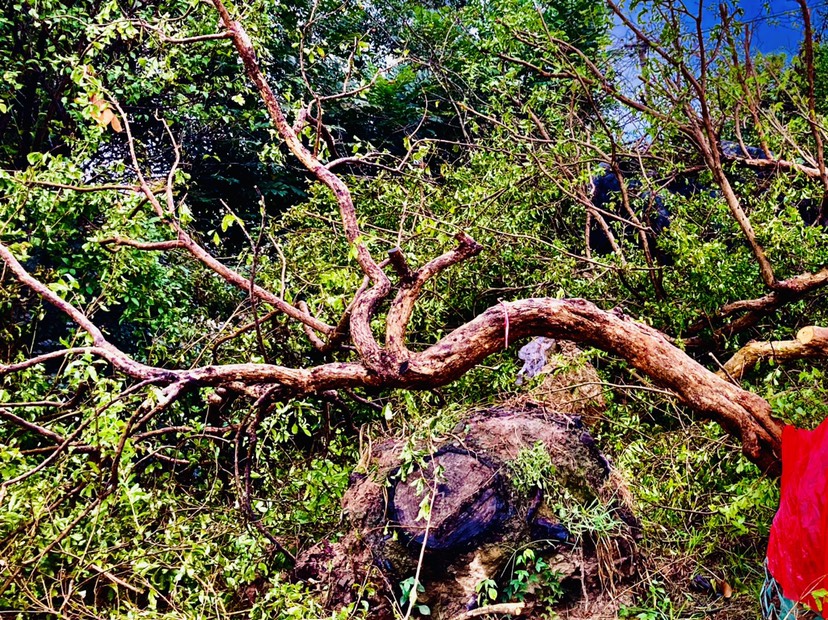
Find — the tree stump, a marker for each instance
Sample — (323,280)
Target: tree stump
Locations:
(466,509)
(469,501)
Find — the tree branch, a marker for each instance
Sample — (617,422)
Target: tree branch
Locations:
(142,245)
(403,305)
(743,414)
(187,242)
(811,342)
(788,291)
(365,305)
(45,432)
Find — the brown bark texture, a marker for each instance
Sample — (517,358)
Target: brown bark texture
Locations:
(743,414)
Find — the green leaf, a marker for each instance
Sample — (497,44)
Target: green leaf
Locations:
(228,220)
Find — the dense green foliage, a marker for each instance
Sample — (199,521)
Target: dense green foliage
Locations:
(484,123)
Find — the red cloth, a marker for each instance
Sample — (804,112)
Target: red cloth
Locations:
(798,545)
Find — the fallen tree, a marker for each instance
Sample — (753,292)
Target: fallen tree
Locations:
(366,348)
(392,364)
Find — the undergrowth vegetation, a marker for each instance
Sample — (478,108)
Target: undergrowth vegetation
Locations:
(121,497)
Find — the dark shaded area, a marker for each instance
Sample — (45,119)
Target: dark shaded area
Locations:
(606,196)
(470,502)
(734,150)
(651,209)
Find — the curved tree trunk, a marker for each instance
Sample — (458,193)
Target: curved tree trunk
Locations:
(743,414)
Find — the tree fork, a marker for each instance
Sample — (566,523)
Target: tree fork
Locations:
(743,414)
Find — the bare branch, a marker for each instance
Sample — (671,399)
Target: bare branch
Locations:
(699,125)
(252,324)
(365,306)
(535,68)
(102,346)
(499,609)
(811,342)
(188,243)
(82,189)
(39,359)
(788,291)
(810,71)
(316,341)
(45,432)
(294,381)
(781,164)
(403,305)
(142,245)
(206,431)
(164,38)
(400,265)
(66,443)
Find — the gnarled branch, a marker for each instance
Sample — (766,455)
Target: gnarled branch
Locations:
(411,286)
(743,414)
(366,303)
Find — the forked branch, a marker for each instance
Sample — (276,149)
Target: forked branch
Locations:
(412,285)
(743,414)
(365,306)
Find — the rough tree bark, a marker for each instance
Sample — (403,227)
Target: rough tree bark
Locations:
(745,415)
(811,342)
